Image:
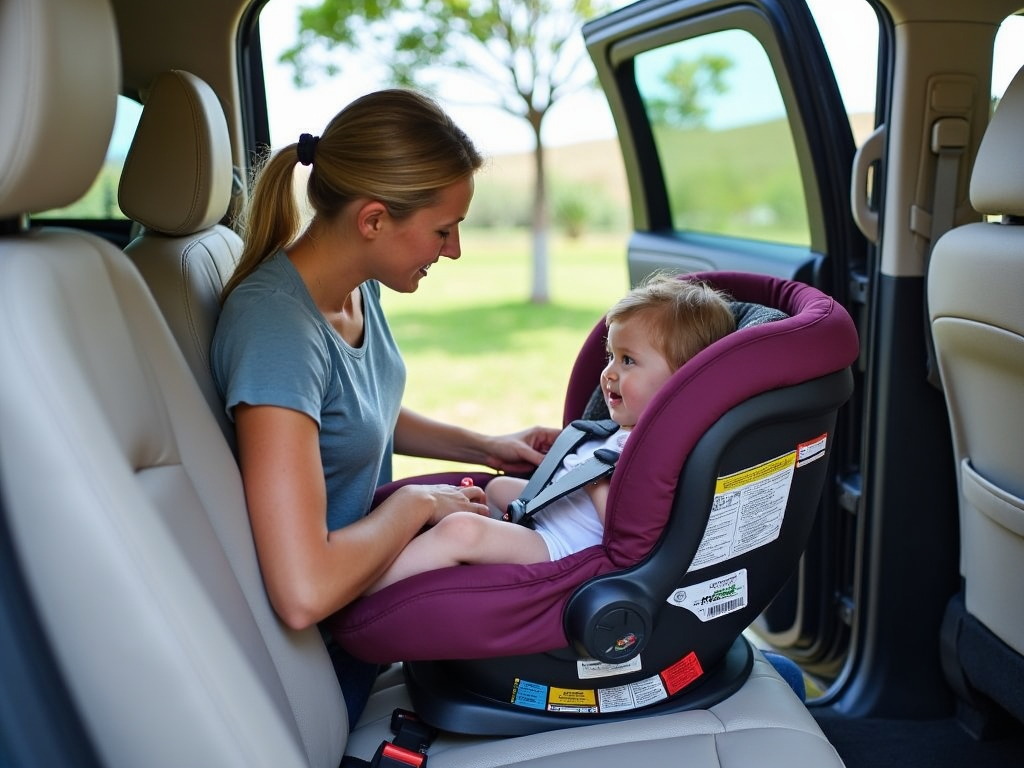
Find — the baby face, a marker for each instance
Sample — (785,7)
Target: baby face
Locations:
(635,371)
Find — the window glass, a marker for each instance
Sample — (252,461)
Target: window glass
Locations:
(1008,55)
(100,202)
(721,132)
(849,31)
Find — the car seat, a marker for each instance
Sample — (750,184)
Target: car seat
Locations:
(977,322)
(177,185)
(709,510)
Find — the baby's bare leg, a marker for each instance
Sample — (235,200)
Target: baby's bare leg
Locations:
(502,491)
(463,537)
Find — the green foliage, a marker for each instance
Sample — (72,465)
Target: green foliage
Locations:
(100,202)
(578,208)
(518,49)
(499,205)
(689,82)
(743,182)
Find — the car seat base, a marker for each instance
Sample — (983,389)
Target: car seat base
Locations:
(450,706)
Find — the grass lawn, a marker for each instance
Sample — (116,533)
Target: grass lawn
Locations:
(479,353)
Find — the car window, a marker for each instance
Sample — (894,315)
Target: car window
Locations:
(1008,54)
(100,202)
(720,129)
(720,126)
(849,31)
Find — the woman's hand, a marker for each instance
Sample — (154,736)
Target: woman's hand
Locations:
(520,451)
(444,499)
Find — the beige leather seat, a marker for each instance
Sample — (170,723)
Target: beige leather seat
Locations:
(177,184)
(126,509)
(975,288)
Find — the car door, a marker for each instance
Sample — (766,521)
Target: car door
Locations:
(738,150)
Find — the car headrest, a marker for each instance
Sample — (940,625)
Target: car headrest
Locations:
(57,115)
(178,172)
(997,181)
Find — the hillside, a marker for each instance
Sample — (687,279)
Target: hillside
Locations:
(596,164)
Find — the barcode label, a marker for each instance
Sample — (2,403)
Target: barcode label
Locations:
(727,607)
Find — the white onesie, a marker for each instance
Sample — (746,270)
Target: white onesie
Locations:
(570,523)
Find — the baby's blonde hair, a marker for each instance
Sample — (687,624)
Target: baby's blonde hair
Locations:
(683,316)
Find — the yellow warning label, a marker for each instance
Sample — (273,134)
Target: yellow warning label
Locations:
(759,472)
(569,697)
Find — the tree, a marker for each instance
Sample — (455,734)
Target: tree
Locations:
(688,82)
(528,54)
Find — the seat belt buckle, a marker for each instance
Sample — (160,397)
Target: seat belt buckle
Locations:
(390,755)
(515,511)
(410,731)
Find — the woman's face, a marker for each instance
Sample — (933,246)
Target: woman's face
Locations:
(417,242)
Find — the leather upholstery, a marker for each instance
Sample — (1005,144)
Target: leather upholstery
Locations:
(977,316)
(48,95)
(997,179)
(177,184)
(177,175)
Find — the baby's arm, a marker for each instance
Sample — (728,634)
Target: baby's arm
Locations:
(598,492)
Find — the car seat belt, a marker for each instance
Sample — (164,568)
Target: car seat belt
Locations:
(948,142)
(540,491)
(408,749)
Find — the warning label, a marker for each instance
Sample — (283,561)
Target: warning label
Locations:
(571,700)
(812,450)
(632,696)
(591,668)
(682,673)
(747,510)
(618,698)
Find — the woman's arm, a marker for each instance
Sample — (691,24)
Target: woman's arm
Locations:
(416,435)
(311,572)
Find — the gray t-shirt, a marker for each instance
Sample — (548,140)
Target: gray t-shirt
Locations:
(272,346)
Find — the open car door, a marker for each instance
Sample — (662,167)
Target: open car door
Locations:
(738,152)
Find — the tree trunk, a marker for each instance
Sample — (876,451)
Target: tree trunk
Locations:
(539,293)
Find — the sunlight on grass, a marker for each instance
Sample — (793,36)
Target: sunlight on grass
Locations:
(479,353)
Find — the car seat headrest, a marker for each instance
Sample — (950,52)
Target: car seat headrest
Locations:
(997,181)
(58,116)
(177,177)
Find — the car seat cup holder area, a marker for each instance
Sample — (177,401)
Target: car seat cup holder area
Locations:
(710,507)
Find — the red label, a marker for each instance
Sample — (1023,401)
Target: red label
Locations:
(682,673)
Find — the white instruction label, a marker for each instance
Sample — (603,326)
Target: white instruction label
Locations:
(747,510)
(716,597)
(588,669)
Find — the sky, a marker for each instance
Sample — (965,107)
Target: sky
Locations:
(577,118)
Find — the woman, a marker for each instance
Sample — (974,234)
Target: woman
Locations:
(310,373)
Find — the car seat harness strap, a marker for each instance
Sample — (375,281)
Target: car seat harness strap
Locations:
(540,491)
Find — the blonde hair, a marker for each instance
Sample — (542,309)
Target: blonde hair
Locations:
(395,146)
(683,316)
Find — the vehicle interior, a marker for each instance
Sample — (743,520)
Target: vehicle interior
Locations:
(136,629)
